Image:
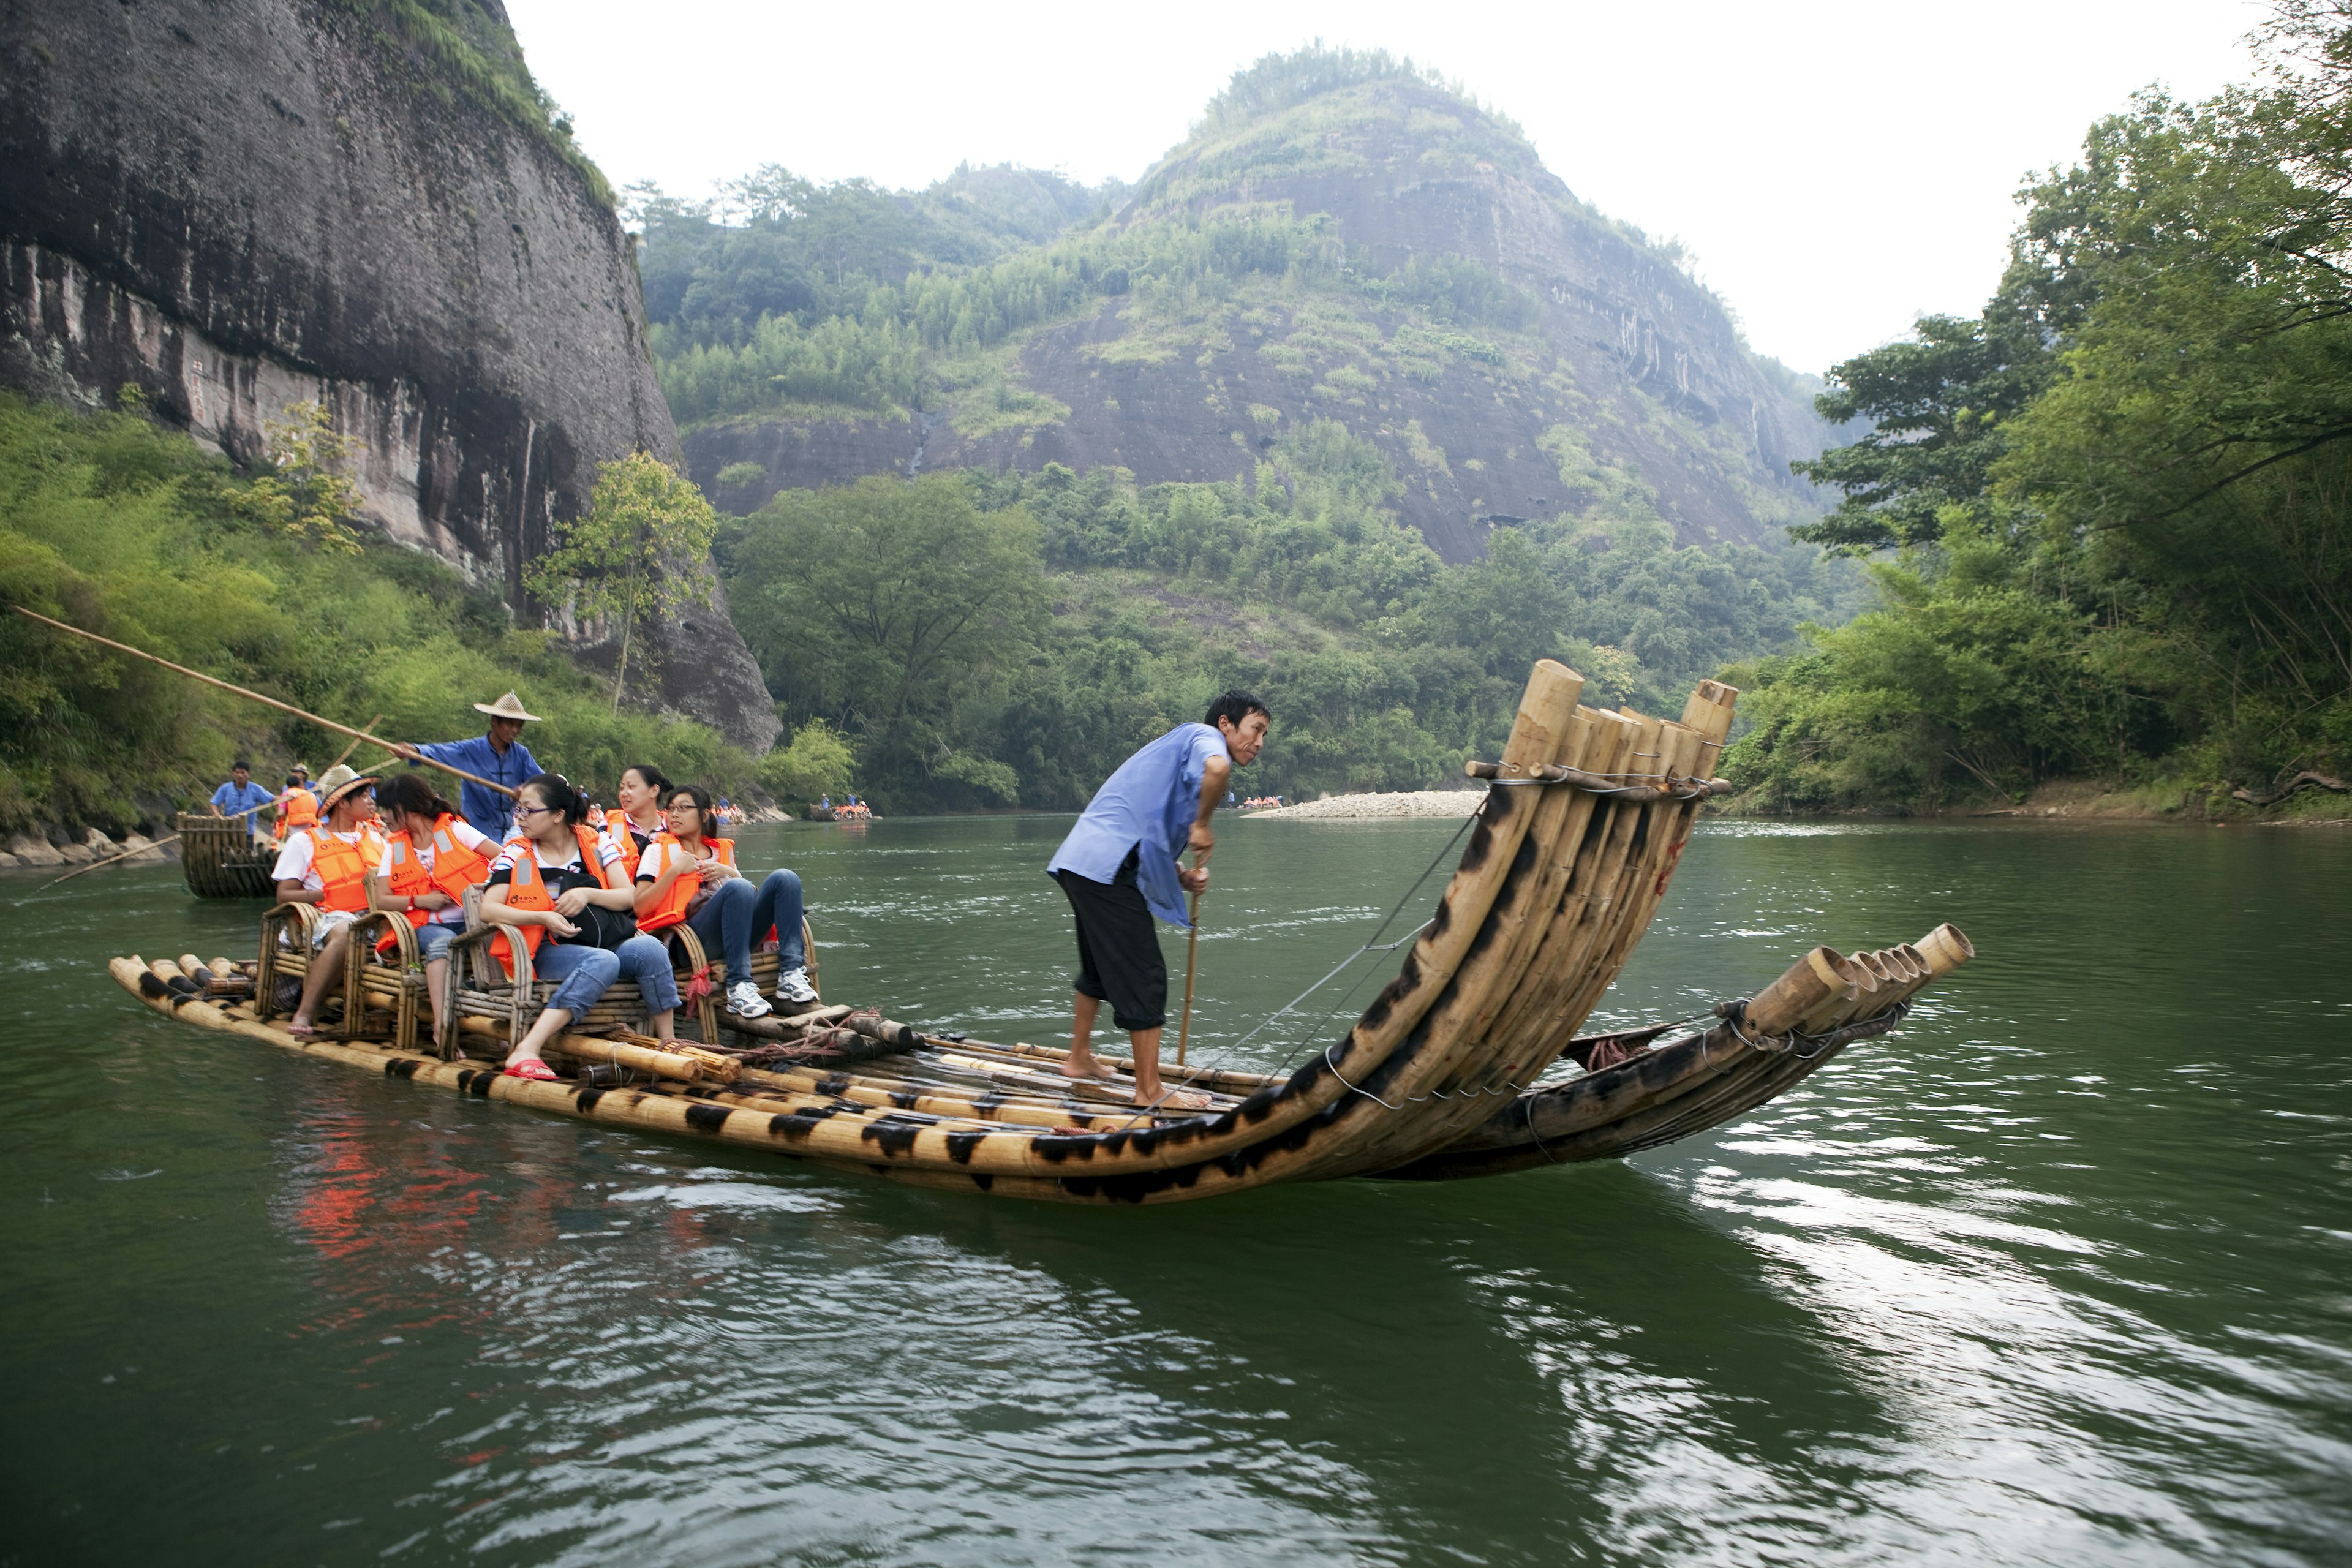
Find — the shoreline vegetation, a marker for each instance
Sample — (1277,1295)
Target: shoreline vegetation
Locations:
(131,531)
(2110,517)
(2093,556)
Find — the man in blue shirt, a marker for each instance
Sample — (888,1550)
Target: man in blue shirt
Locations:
(240,797)
(499,756)
(1118,868)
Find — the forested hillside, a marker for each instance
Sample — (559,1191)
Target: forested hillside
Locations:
(1349,401)
(993,639)
(2112,507)
(1342,237)
(131,530)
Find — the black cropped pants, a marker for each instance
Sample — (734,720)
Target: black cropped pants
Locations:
(1118,947)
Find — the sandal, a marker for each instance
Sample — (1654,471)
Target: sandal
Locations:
(533,1068)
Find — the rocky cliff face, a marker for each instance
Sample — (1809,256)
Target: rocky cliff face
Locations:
(1515,354)
(240,205)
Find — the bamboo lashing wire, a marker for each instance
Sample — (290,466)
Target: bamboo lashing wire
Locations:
(268,702)
(1192,961)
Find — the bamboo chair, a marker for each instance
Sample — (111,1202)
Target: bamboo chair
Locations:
(395,983)
(286,932)
(479,987)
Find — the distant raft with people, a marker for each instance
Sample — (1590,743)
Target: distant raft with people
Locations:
(1468,1063)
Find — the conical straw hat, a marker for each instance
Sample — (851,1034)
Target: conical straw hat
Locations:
(507,707)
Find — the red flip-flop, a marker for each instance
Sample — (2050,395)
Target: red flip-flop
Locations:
(533,1068)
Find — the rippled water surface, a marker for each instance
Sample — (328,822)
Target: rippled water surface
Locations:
(2060,1272)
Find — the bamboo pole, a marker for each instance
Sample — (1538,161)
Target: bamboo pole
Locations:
(1191,962)
(662,1063)
(126,854)
(267,701)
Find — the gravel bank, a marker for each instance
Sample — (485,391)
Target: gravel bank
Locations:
(1407,802)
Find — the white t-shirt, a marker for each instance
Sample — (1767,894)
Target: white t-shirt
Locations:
(464,833)
(294,859)
(552,860)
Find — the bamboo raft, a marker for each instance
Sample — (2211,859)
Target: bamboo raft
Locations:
(220,858)
(1467,1064)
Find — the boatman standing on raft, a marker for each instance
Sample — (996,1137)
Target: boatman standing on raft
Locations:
(500,756)
(1118,868)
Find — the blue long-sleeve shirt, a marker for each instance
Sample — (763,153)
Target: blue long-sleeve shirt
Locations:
(235,802)
(1152,801)
(491,814)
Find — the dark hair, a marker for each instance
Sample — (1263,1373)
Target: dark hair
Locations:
(412,792)
(1236,705)
(555,792)
(694,793)
(293,781)
(656,780)
(241,766)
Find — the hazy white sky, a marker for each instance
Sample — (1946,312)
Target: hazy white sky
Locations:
(1838,168)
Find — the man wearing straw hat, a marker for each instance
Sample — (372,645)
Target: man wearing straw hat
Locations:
(500,756)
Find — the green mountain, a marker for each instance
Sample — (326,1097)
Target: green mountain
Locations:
(1342,237)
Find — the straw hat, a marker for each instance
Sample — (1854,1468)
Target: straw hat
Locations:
(338,782)
(507,707)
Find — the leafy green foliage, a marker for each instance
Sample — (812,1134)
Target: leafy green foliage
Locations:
(636,557)
(1117,611)
(300,493)
(899,610)
(130,531)
(818,762)
(2127,488)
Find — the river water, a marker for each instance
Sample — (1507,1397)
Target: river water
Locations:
(2060,1272)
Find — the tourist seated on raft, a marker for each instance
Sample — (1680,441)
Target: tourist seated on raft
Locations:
(558,884)
(296,807)
(329,866)
(431,855)
(690,878)
(639,819)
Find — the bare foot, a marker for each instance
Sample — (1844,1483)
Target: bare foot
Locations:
(1175,1100)
(301,1028)
(1073,1066)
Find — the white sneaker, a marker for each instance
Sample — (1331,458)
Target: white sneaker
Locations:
(792,987)
(743,1000)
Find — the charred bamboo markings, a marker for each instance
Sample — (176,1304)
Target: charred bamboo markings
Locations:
(1543,911)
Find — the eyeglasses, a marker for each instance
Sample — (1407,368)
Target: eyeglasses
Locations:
(523,811)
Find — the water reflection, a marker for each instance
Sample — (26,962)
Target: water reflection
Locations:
(2056,1274)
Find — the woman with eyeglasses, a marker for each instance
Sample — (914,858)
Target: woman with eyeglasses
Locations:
(560,886)
(688,877)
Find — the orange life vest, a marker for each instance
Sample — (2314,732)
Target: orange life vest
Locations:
(672,907)
(622,832)
(457,866)
(343,867)
(527,889)
(297,807)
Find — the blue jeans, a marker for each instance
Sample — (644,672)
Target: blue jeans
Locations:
(432,942)
(736,911)
(583,974)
